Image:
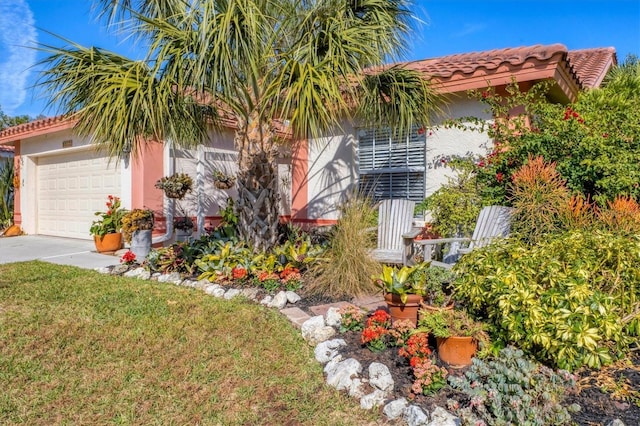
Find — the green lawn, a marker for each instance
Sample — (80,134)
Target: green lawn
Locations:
(78,347)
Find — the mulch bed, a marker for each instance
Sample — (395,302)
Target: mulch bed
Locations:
(597,407)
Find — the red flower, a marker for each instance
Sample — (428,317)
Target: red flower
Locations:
(481,164)
(499,177)
(128,258)
(421,131)
(238,273)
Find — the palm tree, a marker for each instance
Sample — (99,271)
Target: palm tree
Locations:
(270,67)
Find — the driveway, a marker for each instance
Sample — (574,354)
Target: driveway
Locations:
(63,251)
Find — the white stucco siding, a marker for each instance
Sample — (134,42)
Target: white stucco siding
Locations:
(219,153)
(333,172)
(445,143)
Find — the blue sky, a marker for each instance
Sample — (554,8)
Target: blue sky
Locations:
(448,27)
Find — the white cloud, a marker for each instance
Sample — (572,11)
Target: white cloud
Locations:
(469,29)
(17,31)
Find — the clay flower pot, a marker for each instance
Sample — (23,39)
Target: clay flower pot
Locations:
(457,351)
(108,243)
(403,311)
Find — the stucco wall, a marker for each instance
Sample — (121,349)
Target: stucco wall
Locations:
(333,167)
(332,173)
(445,143)
(219,153)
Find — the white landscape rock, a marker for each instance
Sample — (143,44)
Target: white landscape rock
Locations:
(359,388)
(321,334)
(279,300)
(250,293)
(292,297)
(211,288)
(202,284)
(231,293)
(333,317)
(372,400)
(340,374)
(415,416)
(188,283)
(173,278)
(328,350)
(395,409)
(139,273)
(103,270)
(267,300)
(380,377)
(310,325)
(441,417)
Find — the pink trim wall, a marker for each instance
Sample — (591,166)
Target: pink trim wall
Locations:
(299,180)
(146,169)
(17,213)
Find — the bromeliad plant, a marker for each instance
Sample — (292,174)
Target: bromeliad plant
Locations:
(421,279)
(110,221)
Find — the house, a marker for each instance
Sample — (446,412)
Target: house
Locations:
(64,180)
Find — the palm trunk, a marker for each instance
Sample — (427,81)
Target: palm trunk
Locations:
(258,197)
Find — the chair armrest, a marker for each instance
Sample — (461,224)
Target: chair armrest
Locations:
(435,241)
(412,234)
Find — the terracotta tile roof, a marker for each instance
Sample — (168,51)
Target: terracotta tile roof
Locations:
(591,65)
(34,126)
(586,67)
(6,148)
(468,63)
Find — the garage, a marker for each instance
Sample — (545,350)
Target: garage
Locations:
(71,187)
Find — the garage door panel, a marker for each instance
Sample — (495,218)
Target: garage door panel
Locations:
(71,188)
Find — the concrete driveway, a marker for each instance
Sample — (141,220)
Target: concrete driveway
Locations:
(63,251)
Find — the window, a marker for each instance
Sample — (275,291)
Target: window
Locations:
(392,165)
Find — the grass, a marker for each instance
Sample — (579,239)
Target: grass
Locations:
(78,347)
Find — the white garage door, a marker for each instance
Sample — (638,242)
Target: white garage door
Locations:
(71,188)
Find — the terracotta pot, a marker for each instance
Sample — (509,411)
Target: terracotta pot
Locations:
(431,308)
(108,243)
(403,311)
(458,351)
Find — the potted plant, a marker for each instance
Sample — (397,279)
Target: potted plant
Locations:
(457,335)
(137,226)
(106,230)
(435,284)
(401,292)
(183,225)
(222,180)
(175,186)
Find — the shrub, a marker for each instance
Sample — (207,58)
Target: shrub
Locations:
(345,268)
(539,197)
(511,390)
(572,300)
(455,206)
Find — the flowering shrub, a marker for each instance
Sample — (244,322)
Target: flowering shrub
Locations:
(128,258)
(401,331)
(110,221)
(290,278)
(429,378)
(374,335)
(351,318)
(238,273)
